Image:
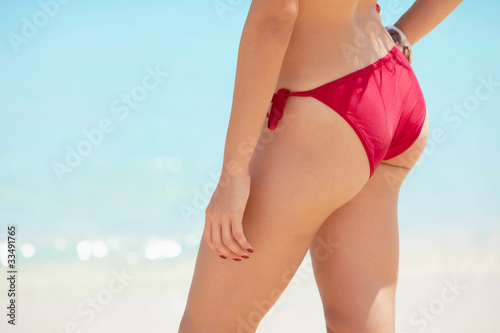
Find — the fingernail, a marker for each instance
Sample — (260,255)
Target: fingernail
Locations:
(236,259)
(250,250)
(223,257)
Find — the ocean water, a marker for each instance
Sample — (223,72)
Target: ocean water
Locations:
(112,124)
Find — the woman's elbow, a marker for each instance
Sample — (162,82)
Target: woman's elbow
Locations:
(275,12)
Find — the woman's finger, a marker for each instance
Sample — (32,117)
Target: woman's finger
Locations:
(218,242)
(239,235)
(231,243)
(207,233)
(207,236)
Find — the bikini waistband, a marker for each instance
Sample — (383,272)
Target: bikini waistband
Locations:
(279,98)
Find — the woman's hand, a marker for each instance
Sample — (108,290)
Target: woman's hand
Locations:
(223,217)
(264,41)
(423,16)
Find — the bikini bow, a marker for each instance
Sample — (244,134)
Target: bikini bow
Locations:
(277,108)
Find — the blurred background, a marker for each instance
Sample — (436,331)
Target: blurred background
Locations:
(113,117)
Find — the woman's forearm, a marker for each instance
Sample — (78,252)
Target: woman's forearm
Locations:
(424,16)
(262,48)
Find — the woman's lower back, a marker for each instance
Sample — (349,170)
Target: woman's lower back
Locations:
(332,38)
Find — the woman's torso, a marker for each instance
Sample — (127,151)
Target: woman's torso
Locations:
(330,39)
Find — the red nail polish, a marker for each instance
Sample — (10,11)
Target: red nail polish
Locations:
(236,259)
(246,257)
(223,257)
(250,250)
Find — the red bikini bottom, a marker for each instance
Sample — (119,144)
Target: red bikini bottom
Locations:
(382,102)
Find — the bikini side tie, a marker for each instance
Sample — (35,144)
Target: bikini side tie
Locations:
(277,108)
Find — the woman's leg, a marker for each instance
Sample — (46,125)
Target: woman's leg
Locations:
(301,172)
(357,281)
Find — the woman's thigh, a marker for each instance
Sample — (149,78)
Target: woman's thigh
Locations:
(357,280)
(301,172)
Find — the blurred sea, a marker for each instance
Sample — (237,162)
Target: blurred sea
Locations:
(144,90)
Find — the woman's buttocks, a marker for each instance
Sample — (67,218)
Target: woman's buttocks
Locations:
(330,39)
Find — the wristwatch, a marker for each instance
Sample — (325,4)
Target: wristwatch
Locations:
(401,41)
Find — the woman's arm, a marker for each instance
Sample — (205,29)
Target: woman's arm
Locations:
(263,44)
(424,16)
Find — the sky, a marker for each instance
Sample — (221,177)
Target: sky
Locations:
(149,85)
